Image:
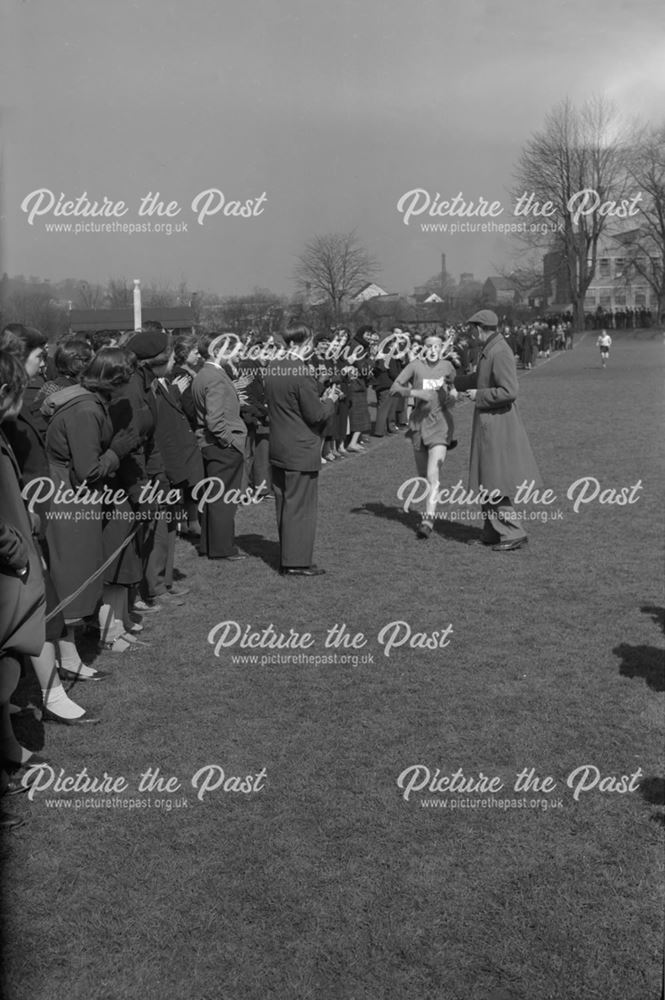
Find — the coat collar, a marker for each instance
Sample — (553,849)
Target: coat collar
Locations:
(490,343)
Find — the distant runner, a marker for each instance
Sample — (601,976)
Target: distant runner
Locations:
(604,342)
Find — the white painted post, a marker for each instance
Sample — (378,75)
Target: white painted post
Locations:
(137,304)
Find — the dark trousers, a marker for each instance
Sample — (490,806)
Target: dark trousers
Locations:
(257,460)
(296,497)
(500,523)
(218,517)
(386,407)
(157,552)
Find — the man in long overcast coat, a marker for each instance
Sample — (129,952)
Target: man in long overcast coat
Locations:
(501,457)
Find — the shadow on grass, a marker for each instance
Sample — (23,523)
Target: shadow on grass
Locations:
(260,547)
(410,519)
(652,790)
(645,661)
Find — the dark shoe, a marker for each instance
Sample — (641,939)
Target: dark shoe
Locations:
(510,546)
(302,571)
(83,720)
(235,558)
(174,591)
(10,821)
(71,675)
(14,787)
(11,766)
(485,542)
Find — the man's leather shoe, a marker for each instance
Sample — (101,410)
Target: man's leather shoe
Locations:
(83,720)
(302,571)
(510,546)
(236,558)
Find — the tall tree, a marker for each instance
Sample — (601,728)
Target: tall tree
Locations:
(578,150)
(334,266)
(645,245)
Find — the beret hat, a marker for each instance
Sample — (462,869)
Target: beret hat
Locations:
(149,344)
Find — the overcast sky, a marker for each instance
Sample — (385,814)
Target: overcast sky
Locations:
(333,109)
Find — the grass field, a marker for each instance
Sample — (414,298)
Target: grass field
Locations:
(326,883)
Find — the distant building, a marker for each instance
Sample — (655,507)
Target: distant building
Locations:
(90,320)
(616,284)
(384,312)
(424,293)
(501,291)
(369,291)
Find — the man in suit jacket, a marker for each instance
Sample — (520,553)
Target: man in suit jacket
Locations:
(297,414)
(221,434)
(501,456)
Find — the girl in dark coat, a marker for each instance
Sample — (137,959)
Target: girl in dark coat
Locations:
(84,452)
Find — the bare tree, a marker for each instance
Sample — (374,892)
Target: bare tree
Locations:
(334,266)
(33,304)
(645,245)
(89,296)
(578,150)
(118,293)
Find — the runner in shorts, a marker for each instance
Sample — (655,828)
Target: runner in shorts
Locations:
(429,381)
(604,342)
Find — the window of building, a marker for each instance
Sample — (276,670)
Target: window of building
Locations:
(640,298)
(619,267)
(604,267)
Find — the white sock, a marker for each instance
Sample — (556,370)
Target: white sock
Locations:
(57,700)
(70,660)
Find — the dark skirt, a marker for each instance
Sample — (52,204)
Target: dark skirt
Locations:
(76,552)
(119,523)
(55,623)
(342,411)
(359,417)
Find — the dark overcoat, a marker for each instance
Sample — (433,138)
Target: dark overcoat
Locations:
(501,456)
(77,445)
